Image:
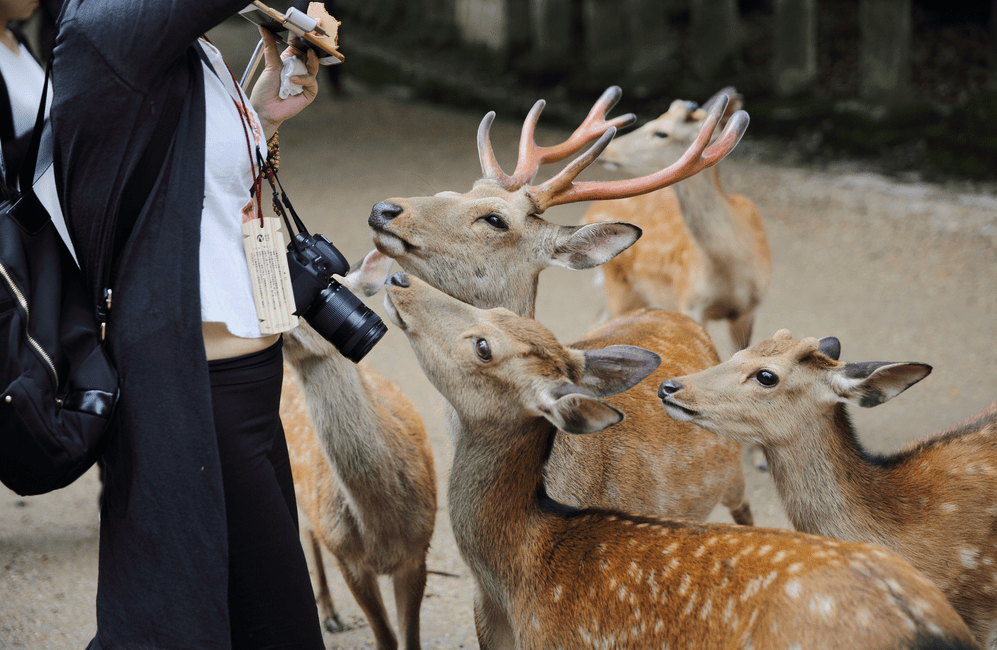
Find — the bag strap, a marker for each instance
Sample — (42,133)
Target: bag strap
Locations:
(25,175)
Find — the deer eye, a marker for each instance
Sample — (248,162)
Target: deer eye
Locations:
(483,350)
(496,222)
(660,134)
(766,378)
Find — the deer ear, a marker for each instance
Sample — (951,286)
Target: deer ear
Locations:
(616,368)
(830,347)
(871,383)
(577,412)
(582,247)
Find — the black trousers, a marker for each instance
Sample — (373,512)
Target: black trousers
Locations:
(270,598)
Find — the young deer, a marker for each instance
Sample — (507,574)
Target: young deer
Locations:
(703,252)
(487,247)
(548,576)
(934,503)
(363,475)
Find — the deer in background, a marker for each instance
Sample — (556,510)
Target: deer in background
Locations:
(551,577)
(703,252)
(934,503)
(488,246)
(363,475)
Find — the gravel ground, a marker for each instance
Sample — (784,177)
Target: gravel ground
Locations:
(897,271)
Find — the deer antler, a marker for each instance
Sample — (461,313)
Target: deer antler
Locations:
(532,156)
(562,189)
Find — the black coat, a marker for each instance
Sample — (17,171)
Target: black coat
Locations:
(163,577)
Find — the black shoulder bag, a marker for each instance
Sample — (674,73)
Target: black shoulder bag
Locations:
(61,388)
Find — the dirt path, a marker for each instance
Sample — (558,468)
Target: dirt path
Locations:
(895,271)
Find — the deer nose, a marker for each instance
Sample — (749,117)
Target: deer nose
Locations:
(399,279)
(382,213)
(669,387)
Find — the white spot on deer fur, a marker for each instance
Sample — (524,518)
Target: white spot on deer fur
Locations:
(536,623)
(692,603)
(707,608)
(557,592)
(699,552)
(763,550)
(659,626)
(948,508)
(794,567)
(728,610)
(633,542)
(863,617)
(793,588)
(780,556)
(684,587)
(668,549)
(622,593)
(968,557)
(604,565)
(823,605)
(601,548)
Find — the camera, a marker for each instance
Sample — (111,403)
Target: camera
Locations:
(327,305)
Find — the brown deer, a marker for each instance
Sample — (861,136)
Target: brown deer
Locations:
(548,576)
(488,246)
(363,475)
(704,252)
(934,503)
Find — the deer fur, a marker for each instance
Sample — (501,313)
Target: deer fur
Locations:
(934,503)
(704,252)
(487,247)
(548,576)
(363,475)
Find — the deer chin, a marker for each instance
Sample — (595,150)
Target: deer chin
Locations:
(391,245)
(678,412)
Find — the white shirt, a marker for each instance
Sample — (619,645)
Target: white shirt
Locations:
(24,79)
(226,289)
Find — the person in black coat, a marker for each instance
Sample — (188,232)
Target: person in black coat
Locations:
(199,545)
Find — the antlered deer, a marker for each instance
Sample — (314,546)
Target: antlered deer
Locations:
(934,503)
(488,246)
(704,252)
(363,475)
(548,576)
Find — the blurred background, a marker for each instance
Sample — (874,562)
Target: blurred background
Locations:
(908,84)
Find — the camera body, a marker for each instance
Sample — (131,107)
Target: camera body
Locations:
(327,305)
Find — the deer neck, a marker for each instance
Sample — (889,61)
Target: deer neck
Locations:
(707,213)
(493,493)
(830,487)
(348,427)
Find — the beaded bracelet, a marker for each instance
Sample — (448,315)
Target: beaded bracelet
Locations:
(273,151)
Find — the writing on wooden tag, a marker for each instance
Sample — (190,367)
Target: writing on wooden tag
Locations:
(272,290)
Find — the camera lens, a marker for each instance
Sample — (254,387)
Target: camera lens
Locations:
(346,322)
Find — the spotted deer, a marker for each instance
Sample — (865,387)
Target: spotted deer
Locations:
(549,576)
(934,503)
(704,252)
(488,246)
(363,475)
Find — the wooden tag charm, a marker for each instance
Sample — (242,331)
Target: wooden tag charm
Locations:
(272,290)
